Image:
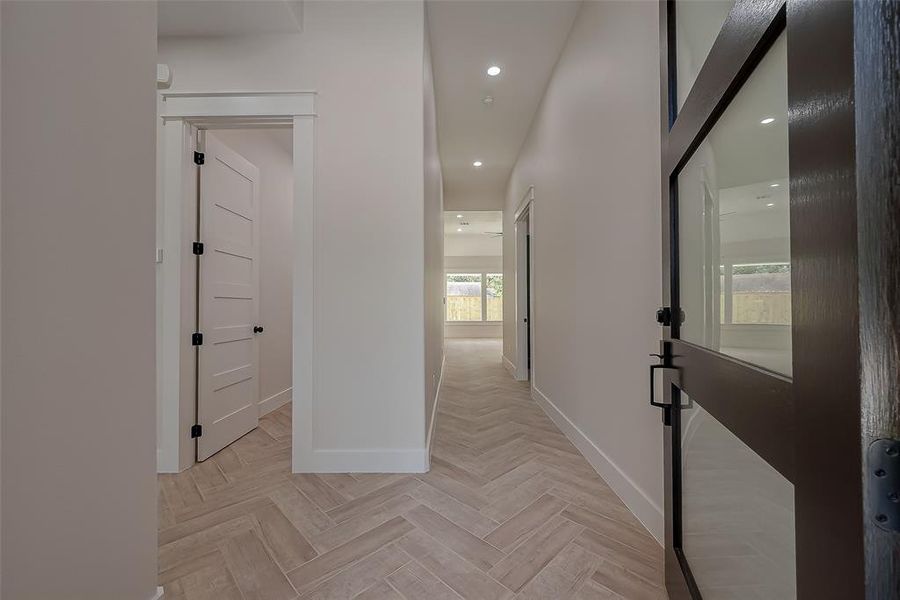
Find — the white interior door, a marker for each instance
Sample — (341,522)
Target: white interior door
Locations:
(228,361)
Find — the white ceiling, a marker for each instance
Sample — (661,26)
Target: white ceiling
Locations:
(227,17)
(479,235)
(525,39)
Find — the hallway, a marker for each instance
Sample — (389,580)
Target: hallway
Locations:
(509,509)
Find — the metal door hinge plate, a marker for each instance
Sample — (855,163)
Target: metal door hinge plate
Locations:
(197,339)
(199,158)
(196,431)
(198,248)
(883,482)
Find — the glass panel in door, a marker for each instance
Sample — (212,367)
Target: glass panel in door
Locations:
(734,227)
(737,514)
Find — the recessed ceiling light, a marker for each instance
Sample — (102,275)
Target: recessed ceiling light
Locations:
(770,204)
(459,228)
(477,163)
(767,120)
(493,70)
(459,216)
(774,185)
(488,99)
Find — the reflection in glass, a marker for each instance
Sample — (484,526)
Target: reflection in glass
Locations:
(697,23)
(737,514)
(734,229)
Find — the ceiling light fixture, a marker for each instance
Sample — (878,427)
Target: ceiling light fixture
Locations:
(770,204)
(774,185)
(767,120)
(477,163)
(459,228)
(488,100)
(493,70)
(459,216)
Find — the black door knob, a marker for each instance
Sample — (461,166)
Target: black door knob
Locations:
(257,329)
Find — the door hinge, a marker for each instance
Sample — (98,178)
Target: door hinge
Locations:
(196,431)
(883,478)
(199,158)
(664,316)
(196,339)
(198,248)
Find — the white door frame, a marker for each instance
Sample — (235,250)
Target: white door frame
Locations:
(524,224)
(181,113)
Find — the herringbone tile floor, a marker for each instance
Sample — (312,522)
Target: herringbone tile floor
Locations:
(509,509)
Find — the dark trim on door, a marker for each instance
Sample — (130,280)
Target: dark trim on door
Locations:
(825,309)
(877,98)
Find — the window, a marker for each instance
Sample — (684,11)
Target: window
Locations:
(493,291)
(474,297)
(756,294)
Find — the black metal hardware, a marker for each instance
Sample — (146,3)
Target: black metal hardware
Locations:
(197,339)
(883,477)
(664,316)
(198,248)
(257,329)
(196,431)
(199,158)
(665,363)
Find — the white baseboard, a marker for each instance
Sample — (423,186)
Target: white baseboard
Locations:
(510,366)
(158,595)
(275,401)
(376,460)
(648,512)
(434,410)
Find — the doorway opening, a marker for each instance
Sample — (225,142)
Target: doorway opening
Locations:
(524,305)
(473,264)
(234,310)
(243,272)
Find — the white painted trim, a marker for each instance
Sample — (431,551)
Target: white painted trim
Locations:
(211,105)
(510,366)
(434,411)
(648,512)
(178,112)
(159,594)
(524,203)
(370,460)
(524,217)
(275,401)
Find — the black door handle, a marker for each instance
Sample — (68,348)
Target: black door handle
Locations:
(257,329)
(667,408)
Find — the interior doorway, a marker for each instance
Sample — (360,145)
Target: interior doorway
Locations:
(235,118)
(243,281)
(524,228)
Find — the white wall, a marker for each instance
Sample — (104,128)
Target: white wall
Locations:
(434,246)
(79,485)
(593,156)
(472,244)
(365,61)
(271,151)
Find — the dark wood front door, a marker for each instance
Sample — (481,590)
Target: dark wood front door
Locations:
(780,328)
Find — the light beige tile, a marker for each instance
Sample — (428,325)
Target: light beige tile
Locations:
(415,581)
(525,522)
(365,503)
(360,576)
(325,565)
(254,571)
(473,549)
(562,577)
(535,553)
